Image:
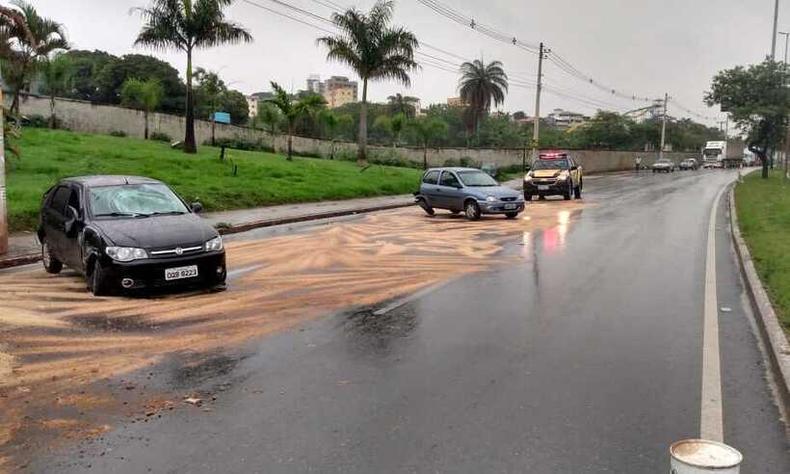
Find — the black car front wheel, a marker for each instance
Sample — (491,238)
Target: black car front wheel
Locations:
(51,264)
(97,281)
(511,215)
(527,197)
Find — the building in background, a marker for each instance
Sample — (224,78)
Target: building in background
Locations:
(456,102)
(565,119)
(315,85)
(254,101)
(339,91)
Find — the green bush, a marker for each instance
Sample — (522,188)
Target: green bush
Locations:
(241,143)
(160,137)
(463,162)
(35,121)
(118,133)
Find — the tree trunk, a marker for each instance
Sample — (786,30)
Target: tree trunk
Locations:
(3,194)
(362,151)
(52,119)
(290,141)
(332,149)
(425,156)
(145,118)
(213,129)
(189,138)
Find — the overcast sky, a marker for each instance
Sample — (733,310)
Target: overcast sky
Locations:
(637,46)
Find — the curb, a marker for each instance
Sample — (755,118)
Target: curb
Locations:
(244,227)
(771,330)
(309,217)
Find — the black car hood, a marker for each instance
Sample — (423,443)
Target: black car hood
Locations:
(156,231)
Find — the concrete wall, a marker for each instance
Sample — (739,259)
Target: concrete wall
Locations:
(83,116)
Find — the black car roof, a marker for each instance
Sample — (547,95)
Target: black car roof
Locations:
(110,180)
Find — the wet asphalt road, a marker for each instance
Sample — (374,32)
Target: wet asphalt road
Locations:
(584,355)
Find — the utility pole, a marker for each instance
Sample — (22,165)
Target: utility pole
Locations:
(773,38)
(3,195)
(663,127)
(536,120)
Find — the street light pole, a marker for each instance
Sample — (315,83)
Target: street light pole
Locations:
(663,128)
(536,120)
(786,35)
(773,38)
(3,195)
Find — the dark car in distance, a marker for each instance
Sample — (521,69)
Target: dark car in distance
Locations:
(128,233)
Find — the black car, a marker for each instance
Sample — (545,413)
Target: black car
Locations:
(128,233)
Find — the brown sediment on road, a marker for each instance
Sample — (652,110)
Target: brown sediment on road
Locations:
(57,340)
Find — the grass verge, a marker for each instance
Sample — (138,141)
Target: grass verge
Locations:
(764,215)
(263,178)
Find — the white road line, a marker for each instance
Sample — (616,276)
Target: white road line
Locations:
(711,412)
(414,296)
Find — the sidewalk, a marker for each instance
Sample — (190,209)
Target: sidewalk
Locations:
(23,248)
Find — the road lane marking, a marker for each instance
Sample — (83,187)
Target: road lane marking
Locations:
(711,412)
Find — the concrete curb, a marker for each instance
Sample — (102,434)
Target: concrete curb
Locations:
(244,227)
(308,217)
(771,330)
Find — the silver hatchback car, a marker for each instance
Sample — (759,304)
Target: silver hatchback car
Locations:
(467,190)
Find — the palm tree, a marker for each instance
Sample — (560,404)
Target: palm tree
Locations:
(482,85)
(292,110)
(404,104)
(375,50)
(10,21)
(58,79)
(143,95)
(269,115)
(332,124)
(24,49)
(392,126)
(187,25)
(427,130)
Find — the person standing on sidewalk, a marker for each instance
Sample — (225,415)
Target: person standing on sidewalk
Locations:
(637,163)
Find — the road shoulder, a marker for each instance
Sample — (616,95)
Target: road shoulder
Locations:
(771,331)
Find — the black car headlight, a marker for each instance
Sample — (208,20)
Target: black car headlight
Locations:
(126,254)
(214,245)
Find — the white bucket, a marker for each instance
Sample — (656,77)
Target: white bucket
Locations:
(699,456)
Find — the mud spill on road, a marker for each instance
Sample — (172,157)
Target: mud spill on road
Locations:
(59,340)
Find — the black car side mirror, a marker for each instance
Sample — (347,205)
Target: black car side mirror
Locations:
(72,218)
(197,208)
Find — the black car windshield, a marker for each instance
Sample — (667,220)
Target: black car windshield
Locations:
(134,200)
(476,179)
(550,164)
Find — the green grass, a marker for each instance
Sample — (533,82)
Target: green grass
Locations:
(764,215)
(263,178)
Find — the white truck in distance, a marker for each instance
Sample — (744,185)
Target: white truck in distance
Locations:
(722,154)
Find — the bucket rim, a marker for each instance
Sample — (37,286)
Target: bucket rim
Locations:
(735,452)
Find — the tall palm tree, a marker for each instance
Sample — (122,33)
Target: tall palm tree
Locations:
(404,104)
(293,109)
(427,130)
(24,49)
(142,95)
(375,50)
(58,80)
(187,25)
(10,21)
(482,85)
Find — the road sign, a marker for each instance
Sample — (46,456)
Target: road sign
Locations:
(221,117)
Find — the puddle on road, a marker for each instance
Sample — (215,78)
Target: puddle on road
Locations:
(60,340)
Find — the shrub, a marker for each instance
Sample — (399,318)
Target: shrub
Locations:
(463,162)
(160,137)
(35,121)
(241,143)
(118,133)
